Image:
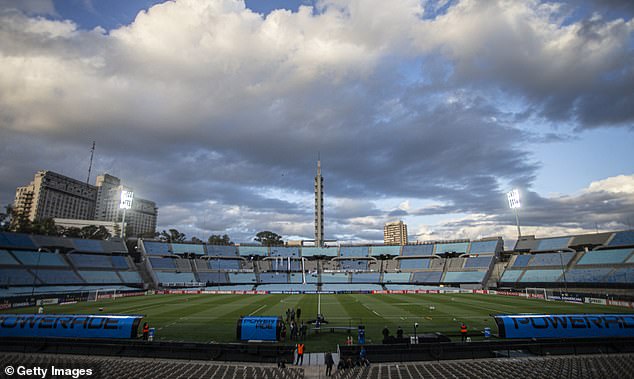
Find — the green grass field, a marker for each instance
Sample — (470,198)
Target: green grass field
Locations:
(206,318)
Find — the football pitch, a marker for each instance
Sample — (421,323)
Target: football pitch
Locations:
(213,318)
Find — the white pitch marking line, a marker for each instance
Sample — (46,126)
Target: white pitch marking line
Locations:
(376,313)
(257,310)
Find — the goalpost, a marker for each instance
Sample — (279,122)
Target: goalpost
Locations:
(537,293)
(104,293)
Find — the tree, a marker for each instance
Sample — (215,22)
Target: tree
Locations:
(216,239)
(70,232)
(195,239)
(268,238)
(5,218)
(94,232)
(172,235)
(44,227)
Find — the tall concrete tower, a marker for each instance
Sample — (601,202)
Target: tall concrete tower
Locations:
(319,207)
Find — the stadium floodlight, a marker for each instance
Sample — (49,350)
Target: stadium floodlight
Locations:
(514,203)
(125,204)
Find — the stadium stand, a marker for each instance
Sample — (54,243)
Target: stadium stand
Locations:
(414,250)
(589,366)
(117,367)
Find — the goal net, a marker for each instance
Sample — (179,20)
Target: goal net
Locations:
(105,293)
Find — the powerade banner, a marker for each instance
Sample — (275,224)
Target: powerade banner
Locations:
(262,328)
(565,326)
(69,326)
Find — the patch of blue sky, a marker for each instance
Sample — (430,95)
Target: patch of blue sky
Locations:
(598,154)
(108,15)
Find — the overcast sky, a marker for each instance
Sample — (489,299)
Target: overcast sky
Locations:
(424,111)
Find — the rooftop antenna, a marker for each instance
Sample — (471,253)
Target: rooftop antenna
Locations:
(92,153)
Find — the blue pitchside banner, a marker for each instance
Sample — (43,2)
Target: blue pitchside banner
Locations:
(565,326)
(261,328)
(69,326)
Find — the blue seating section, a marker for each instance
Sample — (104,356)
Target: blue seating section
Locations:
(552,259)
(483,247)
(175,277)
(58,277)
(243,287)
(222,251)
(88,260)
(119,262)
(625,238)
(7,259)
(631,260)
(365,277)
(224,264)
(188,248)
(296,278)
(541,276)
(13,276)
(156,248)
(280,251)
(396,277)
(33,258)
(413,264)
(285,265)
(409,250)
(162,263)
(386,250)
(241,277)
(253,250)
(16,240)
(334,278)
(621,275)
(104,277)
(522,260)
(464,277)
(359,265)
(457,247)
(213,277)
(350,287)
(88,246)
(325,251)
(273,277)
(130,277)
(478,262)
(604,257)
(553,243)
(354,251)
(287,288)
(589,275)
(511,276)
(427,277)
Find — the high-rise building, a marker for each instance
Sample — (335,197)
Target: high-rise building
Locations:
(139,220)
(395,233)
(319,206)
(52,195)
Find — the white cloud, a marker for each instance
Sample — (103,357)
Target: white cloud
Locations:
(622,184)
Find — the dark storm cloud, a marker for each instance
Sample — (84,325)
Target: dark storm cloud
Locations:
(222,134)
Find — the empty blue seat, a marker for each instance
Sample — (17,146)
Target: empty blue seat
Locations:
(427,277)
(541,276)
(456,247)
(625,238)
(483,247)
(409,250)
(464,277)
(156,248)
(611,256)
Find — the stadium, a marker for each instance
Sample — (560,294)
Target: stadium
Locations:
(193,295)
(163,212)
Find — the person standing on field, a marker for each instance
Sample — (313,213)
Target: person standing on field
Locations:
(329,363)
(300,354)
(463,332)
